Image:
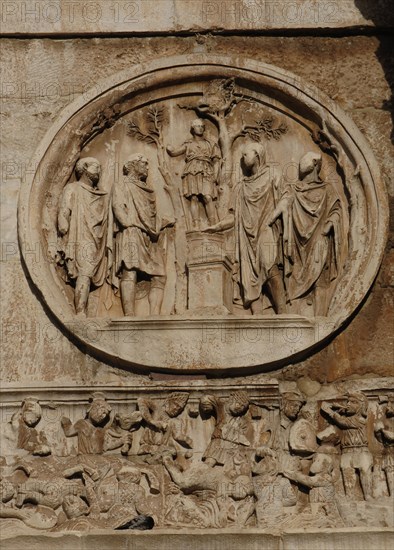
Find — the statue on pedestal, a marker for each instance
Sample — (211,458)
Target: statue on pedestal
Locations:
(200,176)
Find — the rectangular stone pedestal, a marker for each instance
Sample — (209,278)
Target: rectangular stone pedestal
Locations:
(210,287)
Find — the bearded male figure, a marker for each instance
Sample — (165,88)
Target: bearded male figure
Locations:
(137,228)
(82,224)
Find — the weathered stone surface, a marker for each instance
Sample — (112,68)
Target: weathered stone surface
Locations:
(170,16)
(296,540)
(143,541)
(39,362)
(44,76)
(309,273)
(341,540)
(197,454)
(27,100)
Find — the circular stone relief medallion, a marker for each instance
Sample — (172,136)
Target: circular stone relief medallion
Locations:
(200,215)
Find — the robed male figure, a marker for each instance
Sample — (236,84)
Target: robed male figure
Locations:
(83,226)
(313,235)
(137,254)
(258,256)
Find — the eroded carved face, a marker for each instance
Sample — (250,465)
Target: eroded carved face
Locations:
(93,171)
(308,163)
(99,412)
(31,418)
(353,406)
(206,405)
(291,408)
(238,408)
(198,128)
(320,464)
(249,158)
(75,507)
(173,409)
(141,168)
(31,413)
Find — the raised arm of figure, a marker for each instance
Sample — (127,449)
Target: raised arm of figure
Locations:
(176,151)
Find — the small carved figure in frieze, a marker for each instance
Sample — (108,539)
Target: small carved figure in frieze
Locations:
(132,497)
(312,235)
(165,430)
(356,459)
(44,483)
(384,430)
(124,425)
(209,496)
(259,262)
(201,173)
(212,408)
(192,497)
(321,484)
(83,227)
(209,406)
(77,506)
(93,432)
(303,433)
(291,405)
(99,480)
(137,252)
(83,514)
(29,438)
(276,497)
(233,433)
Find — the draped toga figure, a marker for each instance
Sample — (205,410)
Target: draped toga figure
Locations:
(313,235)
(258,254)
(83,224)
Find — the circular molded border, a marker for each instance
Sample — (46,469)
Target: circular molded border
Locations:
(368,199)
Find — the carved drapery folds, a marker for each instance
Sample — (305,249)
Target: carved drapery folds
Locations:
(212,192)
(203,460)
(289,237)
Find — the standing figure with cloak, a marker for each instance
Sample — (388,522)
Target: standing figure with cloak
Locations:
(137,228)
(200,175)
(258,254)
(313,235)
(82,224)
(233,433)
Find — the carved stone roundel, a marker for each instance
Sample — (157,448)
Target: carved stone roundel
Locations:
(201,214)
